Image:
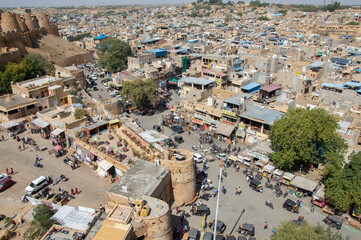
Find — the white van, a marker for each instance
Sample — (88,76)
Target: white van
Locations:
(198,158)
(36,185)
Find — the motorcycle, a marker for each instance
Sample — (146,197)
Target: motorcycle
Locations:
(269,204)
(234,149)
(205,196)
(63,178)
(224,172)
(313,208)
(269,185)
(245,171)
(279,193)
(239,149)
(224,190)
(38,165)
(207,187)
(67,161)
(285,195)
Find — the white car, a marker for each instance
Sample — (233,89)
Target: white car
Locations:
(198,158)
(36,185)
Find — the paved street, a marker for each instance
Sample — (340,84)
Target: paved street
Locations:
(92,187)
(252,202)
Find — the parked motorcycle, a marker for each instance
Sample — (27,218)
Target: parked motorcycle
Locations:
(205,196)
(269,204)
(224,172)
(224,190)
(279,193)
(63,178)
(269,185)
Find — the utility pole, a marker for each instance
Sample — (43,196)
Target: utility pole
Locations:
(217,206)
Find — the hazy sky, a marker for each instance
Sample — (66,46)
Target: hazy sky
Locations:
(37,3)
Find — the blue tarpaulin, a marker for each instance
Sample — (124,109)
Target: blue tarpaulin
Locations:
(100,37)
(251,87)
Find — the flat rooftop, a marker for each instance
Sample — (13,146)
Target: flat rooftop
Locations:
(38,81)
(141,179)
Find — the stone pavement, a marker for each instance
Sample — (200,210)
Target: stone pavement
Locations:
(92,188)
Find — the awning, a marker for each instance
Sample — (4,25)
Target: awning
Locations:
(268,168)
(57,131)
(225,129)
(40,123)
(105,165)
(304,183)
(10,124)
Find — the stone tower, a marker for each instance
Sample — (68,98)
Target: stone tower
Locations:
(43,20)
(9,22)
(21,23)
(30,21)
(183,177)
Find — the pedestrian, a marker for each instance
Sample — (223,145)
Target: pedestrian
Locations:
(2,137)
(181,216)
(72,192)
(247,178)
(54,181)
(23,146)
(7,171)
(177,210)
(11,171)
(36,158)
(185,228)
(76,191)
(19,148)
(265,225)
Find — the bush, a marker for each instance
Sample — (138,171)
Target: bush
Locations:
(263,18)
(79,113)
(353,23)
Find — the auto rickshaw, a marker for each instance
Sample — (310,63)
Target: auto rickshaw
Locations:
(220,226)
(241,237)
(208,236)
(256,185)
(333,221)
(230,237)
(219,237)
(193,234)
(246,229)
(291,206)
(200,210)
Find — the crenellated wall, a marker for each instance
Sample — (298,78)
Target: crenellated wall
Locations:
(9,22)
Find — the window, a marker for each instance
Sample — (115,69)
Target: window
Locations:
(13,112)
(30,106)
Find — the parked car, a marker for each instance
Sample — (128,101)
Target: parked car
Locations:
(177,129)
(5,182)
(95,89)
(36,185)
(178,139)
(198,158)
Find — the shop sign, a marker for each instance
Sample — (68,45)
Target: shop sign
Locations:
(197,121)
(229,113)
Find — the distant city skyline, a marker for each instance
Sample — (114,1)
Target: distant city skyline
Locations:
(50,3)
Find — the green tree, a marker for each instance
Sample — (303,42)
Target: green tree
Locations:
(228,18)
(79,113)
(303,137)
(41,222)
(343,188)
(141,93)
(352,23)
(291,231)
(113,54)
(263,18)
(31,66)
